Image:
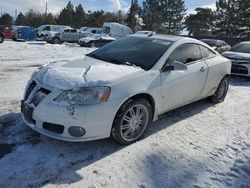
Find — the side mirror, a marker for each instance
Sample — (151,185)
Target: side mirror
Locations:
(175,65)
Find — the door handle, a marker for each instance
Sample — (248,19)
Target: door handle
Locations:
(203,69)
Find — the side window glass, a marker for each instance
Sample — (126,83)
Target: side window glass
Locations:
(67,30)
(47,28)
(186,53)
(206,53)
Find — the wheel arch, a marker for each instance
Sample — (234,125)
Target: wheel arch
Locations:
(146,96)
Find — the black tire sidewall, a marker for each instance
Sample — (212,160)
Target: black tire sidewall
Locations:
(216,98)
(116,128)
(56,41)
(1,39)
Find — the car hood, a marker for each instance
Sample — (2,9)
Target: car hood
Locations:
(86,72)
(237,55)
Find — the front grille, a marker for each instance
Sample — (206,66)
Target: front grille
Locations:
(238,69)
(53,127)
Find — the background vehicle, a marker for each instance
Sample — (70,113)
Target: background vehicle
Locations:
(240,57)
(218,45)
(144,33)
(66,35)
(7,32)
(122,87)
(116,30)
(25,33)
(2,36)
(95,40)
(43,30)
(90,30)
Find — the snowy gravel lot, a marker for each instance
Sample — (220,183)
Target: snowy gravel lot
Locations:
(199,145)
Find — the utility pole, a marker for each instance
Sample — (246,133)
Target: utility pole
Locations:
(15,14)
(46,8)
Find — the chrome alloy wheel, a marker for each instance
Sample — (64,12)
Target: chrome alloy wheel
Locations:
(134,122)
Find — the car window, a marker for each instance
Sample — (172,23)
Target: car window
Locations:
(47,28)
(206,53)
(73,31)
(185,53)
(241,48)
(67,30)
(140,51)
(106,29)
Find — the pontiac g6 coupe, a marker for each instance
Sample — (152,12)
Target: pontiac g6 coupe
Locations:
(119,89)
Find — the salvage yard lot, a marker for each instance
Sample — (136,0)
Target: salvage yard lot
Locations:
(199,145)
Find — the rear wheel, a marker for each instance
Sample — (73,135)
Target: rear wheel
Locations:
(131,121)
(1,39)
(56,40)
(221,91)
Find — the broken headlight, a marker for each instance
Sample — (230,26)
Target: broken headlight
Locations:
(84,96)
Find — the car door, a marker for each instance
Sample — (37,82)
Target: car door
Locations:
(74,35)
(181,87)
(66,35)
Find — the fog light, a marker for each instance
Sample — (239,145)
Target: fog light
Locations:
(76,131)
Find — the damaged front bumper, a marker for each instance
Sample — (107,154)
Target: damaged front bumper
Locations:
(69,123)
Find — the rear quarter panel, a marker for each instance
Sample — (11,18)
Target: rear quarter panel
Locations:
(219,67)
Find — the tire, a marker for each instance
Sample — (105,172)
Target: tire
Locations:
(56,40)
(1,39)
(221,91)
(132,121)
(92,45)
(42,37)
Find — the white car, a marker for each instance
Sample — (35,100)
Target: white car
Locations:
(144,33)
(119,89)
(95,40)
(240,57)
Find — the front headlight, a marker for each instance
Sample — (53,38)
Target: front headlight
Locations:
(84,96)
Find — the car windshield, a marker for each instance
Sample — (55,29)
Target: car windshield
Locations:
(210,42)
(241,48)
(137,51)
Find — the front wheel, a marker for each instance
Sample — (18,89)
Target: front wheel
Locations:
(131,121)
(221,91)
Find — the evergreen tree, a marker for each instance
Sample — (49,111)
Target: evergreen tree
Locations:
(34,19)
(200,23)
(67,15)
(151,14)
(80,17)
(49,19)
(244,15)
(95,19)
(21,19)
(173,12)
(6,20)
(228,20)
(132,15)
(164,15)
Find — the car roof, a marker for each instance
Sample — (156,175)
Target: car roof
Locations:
(172,38)
(245,42)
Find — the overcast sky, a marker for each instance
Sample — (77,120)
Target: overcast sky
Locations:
(55,6)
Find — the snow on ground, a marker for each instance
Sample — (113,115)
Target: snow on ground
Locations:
(199,145)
